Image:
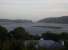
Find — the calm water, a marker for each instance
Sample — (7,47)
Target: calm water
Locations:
(30,27)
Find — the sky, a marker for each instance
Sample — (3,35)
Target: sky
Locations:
(32,9)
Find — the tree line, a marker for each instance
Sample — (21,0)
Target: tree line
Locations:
(15,39)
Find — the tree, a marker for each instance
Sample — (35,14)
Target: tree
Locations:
(64,36)
(51,36)
(19,33)
(3,35)
(21,36)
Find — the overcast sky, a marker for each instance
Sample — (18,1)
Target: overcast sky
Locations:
(32,9)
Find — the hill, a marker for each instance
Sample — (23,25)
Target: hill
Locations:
(15,21)
(62,20)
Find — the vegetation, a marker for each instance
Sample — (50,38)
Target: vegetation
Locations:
(19,39)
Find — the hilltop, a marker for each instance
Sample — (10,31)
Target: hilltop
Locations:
(62,20)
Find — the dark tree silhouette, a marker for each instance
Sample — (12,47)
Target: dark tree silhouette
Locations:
(21,36)
(3,35)
(64,36)
(3,32)
(50,36)
(19,33)
(16,38)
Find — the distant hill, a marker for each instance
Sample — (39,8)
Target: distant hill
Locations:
(63,20)
(16,21)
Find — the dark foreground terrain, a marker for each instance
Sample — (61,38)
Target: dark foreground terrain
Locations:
(19,39)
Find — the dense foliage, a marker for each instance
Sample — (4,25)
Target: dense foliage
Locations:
(19,39)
